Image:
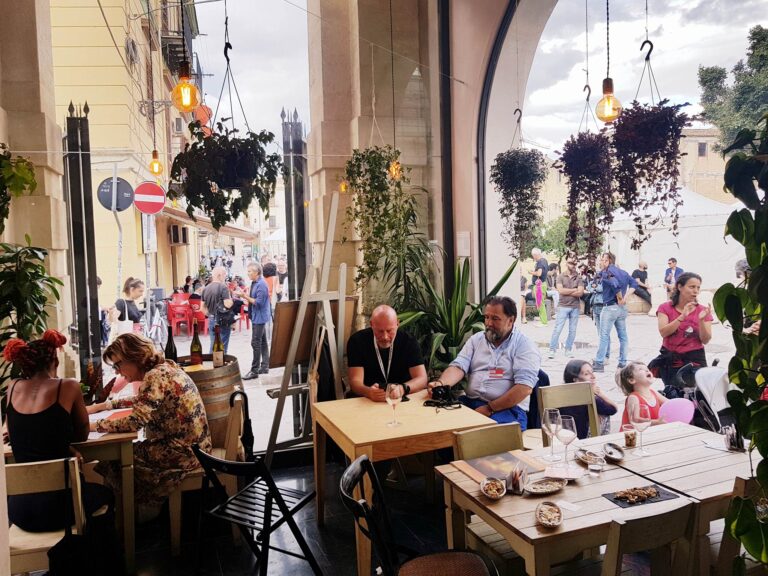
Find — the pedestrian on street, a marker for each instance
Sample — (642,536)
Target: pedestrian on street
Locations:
(261,313)
(671,275)
(217,301)
(617,285)
(569,289)
(539,283)
(641,277)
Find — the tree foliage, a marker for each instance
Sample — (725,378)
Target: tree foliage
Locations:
(17,176)
(729,106)
(222,174)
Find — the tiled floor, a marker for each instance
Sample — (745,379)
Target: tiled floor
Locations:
(417,524)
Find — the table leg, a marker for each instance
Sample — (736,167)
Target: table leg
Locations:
(126,464)
(319,454)
(539,564)
(455,520)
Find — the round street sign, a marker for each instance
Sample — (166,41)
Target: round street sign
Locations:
(124,194)
(150,198)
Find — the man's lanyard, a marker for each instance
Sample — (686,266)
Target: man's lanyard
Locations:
(381,363)
(494,372)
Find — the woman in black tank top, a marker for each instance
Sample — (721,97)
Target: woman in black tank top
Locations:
(45,415)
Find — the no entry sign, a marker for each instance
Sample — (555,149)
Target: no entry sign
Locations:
(149,198)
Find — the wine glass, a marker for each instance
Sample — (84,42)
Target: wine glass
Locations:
(551,425)
(641,419)
(567,434)
(394,395)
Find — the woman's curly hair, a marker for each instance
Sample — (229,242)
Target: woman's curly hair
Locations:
(36,355)
(135,348)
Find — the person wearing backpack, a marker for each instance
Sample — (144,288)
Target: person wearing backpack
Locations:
(218,304)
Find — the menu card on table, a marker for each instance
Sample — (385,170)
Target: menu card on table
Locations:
(106,415)
(498,465)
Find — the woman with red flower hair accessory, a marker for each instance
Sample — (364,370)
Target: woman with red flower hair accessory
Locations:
(45,414)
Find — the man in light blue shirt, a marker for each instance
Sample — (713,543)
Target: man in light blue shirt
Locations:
(501,365)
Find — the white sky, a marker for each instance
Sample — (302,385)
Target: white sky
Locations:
(270,62)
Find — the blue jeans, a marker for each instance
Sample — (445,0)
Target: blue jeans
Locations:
(514,414)
(613,315)
(563,314)
(224,332)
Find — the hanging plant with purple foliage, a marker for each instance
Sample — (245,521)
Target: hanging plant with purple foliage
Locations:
(517,175)
(586,163)
(646,143)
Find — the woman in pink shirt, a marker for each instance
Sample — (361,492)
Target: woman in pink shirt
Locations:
(684,324)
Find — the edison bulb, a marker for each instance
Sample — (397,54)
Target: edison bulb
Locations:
(185,95)
(155,166)
(608,108)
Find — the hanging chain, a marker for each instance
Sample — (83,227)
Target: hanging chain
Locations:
(183,39)
(646,19)
(608,37)
(586,33)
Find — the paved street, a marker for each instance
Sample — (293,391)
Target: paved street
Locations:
(644,342)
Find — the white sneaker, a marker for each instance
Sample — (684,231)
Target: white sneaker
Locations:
(569,353)
(551,354)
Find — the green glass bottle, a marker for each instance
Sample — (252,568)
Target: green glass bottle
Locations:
(196,349)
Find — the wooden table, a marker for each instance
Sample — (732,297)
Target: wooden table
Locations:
(359,426)
(679,460)
(116,447)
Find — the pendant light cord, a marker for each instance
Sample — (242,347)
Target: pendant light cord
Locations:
(392,61)
(608,37)
(588,111)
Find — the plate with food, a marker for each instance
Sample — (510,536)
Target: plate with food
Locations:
(636,496)
(588,457)
(613,452)
(546,486)
(549,514)
(493,488)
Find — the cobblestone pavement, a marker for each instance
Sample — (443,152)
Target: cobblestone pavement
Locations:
(644,343)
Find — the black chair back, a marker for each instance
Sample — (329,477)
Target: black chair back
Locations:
(377,526)
(534,418)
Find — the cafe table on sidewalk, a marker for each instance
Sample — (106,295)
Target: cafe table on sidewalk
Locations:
(116,447)
(685,460)
(359,426)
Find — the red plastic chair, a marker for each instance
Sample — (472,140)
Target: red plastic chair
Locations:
(244,316)
(180,314)
(180,297)
(197,313)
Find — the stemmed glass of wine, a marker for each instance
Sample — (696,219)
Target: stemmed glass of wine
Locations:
(394,394)
(551,425)
(641,419)
(567,434)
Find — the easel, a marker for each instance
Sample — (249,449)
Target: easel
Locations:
(324,319)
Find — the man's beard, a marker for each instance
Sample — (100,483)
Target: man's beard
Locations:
(493,336)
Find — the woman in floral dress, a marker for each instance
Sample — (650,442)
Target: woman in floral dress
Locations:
(169,408)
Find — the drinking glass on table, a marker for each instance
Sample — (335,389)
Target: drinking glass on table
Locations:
(551,425)
(641,419)
(567,433)
(394,394)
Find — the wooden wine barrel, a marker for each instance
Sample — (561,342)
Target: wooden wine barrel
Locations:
(215,386)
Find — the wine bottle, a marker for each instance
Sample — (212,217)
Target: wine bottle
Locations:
(218,348)
(196,349)
(170,347)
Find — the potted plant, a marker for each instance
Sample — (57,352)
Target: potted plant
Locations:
(26,289)
(222,174)
(518,175)
(646,148)
(745,307)
(384,217)
(586,164)
(17,175)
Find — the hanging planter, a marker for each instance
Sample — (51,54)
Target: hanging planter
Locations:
(586,163)
(17,176)
(518,175)
(646,144)
(222,174)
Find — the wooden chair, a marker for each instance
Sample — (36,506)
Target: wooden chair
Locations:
(29,550)
(195,480)
(373,521)
(660,534)
(569,395)
(479,536)
(718,548)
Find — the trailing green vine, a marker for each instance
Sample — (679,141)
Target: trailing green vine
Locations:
(17,176)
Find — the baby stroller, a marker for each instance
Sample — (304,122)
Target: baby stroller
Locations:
(710,399)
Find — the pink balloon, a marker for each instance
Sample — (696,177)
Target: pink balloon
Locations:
(677,410)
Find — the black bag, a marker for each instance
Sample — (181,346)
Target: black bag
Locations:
(226,317)
(69,556)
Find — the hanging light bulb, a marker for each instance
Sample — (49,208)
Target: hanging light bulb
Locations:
(395,170)
(608,108)
(343,186)
(185,95)
(155,166)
